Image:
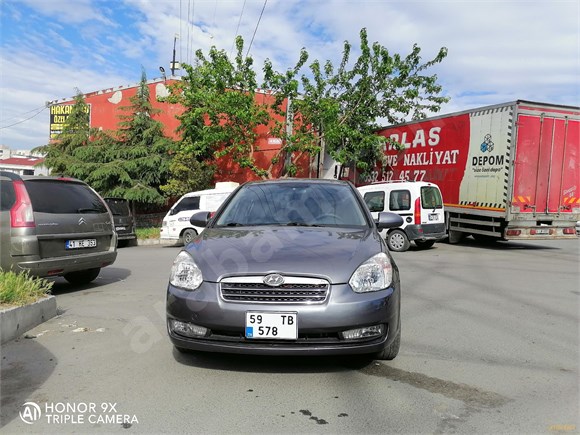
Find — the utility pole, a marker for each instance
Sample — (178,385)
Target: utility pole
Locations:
(174,65)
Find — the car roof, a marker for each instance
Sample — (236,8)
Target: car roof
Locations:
(13,175)
(299,180)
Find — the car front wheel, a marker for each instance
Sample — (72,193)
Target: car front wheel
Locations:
(188,236)
(398,241)
(82,276)
(392,350)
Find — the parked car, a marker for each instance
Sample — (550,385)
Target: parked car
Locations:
(287,267)
(54,226)
(176,226)
(420,205)
(123,220)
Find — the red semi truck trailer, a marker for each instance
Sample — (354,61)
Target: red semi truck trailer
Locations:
(508,171)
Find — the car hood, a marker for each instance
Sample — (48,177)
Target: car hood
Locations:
(330,253)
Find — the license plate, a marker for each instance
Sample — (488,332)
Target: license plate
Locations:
(543,231)
(434,217)
(120,228)
(79,244)
(278,326)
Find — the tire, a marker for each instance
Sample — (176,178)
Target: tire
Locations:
(398,241)
(454,237)
(122,243)
(484,238)
(82,276)
(188,236)
(424,244)
(392,350)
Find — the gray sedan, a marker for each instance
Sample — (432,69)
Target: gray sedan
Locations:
(287,267)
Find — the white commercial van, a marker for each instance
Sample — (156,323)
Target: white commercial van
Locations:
(176,226)
(420,205)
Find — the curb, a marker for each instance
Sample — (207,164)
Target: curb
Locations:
(18,320)
(148,242)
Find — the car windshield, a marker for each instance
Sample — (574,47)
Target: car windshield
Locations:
(293,203)
(119,207)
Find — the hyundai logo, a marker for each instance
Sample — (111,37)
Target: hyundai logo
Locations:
(274,280)
(82,221)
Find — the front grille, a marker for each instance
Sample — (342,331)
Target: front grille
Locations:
(295,290)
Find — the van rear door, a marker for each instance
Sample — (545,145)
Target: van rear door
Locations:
(431,205)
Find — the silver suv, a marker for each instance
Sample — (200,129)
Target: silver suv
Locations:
(54,226)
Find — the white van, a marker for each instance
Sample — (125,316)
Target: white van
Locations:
(420,205)
(176,226)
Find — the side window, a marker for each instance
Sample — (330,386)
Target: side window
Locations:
(188,203)
(375,201)
(431,197)
(7,195)
(400,200)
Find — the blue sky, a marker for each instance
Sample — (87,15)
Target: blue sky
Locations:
(499,50)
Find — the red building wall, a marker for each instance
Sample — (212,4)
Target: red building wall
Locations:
(106,109)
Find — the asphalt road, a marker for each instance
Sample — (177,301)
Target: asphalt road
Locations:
(490,345)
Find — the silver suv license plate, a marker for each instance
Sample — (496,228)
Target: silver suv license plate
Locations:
(278,326)
(79,244)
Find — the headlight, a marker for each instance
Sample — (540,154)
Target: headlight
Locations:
(185,273)
(374,274)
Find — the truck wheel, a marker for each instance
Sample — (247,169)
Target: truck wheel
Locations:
(398,241)
(424,244)
(188,236)
(82,276)
(455,236)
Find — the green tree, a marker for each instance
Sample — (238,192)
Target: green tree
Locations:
(137,161)
(187,174)
(338,108)
(323,109)
(222,113)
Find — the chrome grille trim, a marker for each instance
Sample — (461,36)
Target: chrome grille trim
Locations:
(295,290)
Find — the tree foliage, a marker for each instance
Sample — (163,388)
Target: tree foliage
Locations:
(187,174)
(339,107)
(333,109)
(221,111)
(131,163)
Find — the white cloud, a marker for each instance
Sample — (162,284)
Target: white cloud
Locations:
(498,50)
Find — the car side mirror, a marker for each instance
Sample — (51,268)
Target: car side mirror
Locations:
(387,219)
(172,212)
(200,219)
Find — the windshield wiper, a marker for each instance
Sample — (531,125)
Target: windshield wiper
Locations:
(234,224)
(301,224)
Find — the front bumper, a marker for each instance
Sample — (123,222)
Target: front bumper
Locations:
(319,325)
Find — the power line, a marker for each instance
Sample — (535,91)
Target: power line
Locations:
(25,113)
(256,29)
(24,120)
